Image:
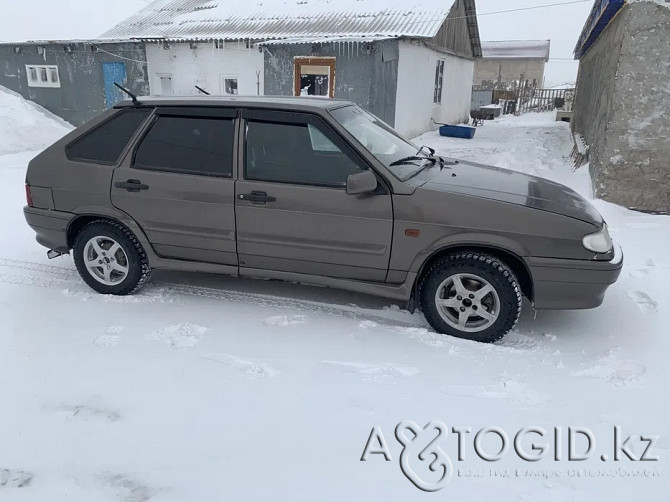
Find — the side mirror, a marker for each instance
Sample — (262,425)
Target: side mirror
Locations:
(360,183)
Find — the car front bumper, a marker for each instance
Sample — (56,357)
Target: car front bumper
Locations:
(560,284)
(50,227)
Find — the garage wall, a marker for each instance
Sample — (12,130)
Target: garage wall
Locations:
(416,85)
(204,66)
(620,108)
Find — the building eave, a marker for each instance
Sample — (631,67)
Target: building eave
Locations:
(602,14)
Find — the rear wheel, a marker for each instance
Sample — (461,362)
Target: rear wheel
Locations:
(471,295)
(110,259)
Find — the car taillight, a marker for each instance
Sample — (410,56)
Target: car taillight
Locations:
(29,196)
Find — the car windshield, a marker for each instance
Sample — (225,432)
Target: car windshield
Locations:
(399,155)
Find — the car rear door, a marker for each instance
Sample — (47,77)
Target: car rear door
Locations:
(292,210)
(179,183)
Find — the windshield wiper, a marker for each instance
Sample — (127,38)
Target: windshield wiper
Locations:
(411,159)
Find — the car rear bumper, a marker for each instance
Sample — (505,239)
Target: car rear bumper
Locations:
(50,227)
(573,284)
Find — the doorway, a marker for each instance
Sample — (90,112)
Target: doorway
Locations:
(111,73)
(314,77)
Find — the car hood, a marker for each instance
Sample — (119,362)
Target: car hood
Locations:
(512,187)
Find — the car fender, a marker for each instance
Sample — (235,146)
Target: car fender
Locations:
(120,216)
(465,239)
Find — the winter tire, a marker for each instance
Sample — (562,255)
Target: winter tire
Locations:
(471,295)
(110,259)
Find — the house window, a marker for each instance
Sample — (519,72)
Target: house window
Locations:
(53,75)
(439,78)
(314,77)
(229,86)
(42,76)
(165,85)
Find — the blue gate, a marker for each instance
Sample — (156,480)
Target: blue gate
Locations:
(113,72)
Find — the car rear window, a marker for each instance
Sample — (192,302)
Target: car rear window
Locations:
(105,143)
(190,145)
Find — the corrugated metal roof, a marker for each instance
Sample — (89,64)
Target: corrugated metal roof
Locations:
(278,19)
(511,49)
(318,40)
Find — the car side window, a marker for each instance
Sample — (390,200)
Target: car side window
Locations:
(105,143)
(191,145)
(295,152)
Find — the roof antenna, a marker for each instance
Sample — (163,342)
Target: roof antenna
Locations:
(132,96)
(202,90)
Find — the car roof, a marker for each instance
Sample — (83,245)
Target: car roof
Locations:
(296,103)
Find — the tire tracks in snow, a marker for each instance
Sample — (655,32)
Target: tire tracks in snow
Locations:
(37,267)
(64,277)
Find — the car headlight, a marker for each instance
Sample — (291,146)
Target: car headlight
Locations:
(600,242)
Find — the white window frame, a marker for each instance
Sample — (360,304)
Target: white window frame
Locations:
(223,85)
(38,81)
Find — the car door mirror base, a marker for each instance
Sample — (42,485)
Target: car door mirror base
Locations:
(365,182)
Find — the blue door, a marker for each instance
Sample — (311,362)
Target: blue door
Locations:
(113,72)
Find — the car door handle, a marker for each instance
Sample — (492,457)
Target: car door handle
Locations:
(257,197)
(131,185)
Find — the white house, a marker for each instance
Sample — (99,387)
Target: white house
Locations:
(408,64)
(226,68)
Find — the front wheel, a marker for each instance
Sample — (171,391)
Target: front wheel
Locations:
(471,295)
(110,259)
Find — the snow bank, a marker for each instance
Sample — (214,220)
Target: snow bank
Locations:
(25,125)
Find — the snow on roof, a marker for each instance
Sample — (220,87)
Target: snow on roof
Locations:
(509,49)
(277,19)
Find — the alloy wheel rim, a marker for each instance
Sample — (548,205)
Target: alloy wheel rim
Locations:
(106,260)
(467,302)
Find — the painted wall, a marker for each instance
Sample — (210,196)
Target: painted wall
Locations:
(623,94)
(508,71)
(81,95)
(365,73)
(416,85)
(204,66)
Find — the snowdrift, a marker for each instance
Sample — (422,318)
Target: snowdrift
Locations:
(26,126)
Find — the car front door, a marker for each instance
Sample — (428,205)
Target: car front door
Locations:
(292,209)
(179,184)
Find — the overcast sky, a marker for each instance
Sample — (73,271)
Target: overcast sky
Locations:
(72,19)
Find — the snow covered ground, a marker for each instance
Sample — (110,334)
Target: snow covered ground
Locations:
(204,388)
